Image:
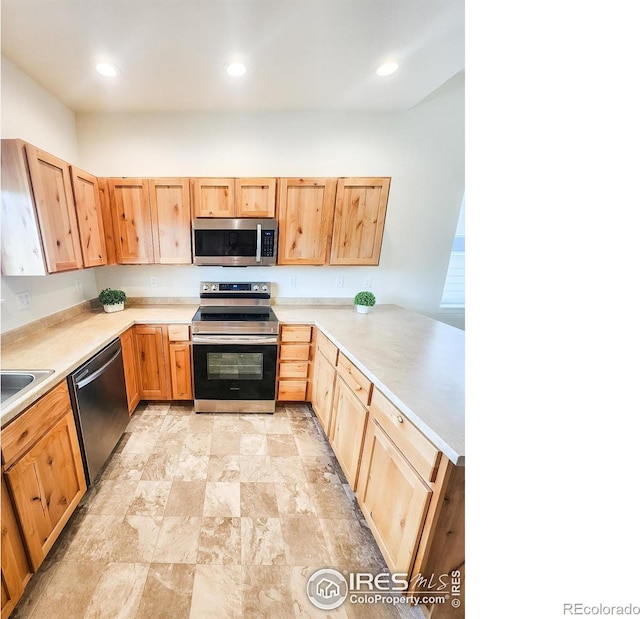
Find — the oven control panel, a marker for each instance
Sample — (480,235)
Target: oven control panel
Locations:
(240,288)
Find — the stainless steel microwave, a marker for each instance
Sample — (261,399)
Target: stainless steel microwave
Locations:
(235,242)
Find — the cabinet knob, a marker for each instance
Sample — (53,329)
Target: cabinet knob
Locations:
(399,419)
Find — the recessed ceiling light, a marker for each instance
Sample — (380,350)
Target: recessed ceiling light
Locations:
(107,69)
(387,68)
(236,69)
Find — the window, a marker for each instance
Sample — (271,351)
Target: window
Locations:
(453,293)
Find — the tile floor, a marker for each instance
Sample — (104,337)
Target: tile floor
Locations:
(209,516)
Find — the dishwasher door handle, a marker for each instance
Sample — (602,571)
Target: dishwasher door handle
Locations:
(89,379)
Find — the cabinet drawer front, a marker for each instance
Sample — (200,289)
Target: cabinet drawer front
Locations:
(294,369)
(295,333)
(327,348)
(357,381)
(419,451)
(22,433)
(294,352)
(292,390)
(178,333)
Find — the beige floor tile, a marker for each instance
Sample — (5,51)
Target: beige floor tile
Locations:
(258,500)
(112,497)
(277,424)
(245,424)
(255,468)
(118,592)
(69,591)
(141,442)
(253,445)
(225,443)
(222,498)
(321,469)
(304,541)
(186,498)
(196,443)
(267,592)
(132,540)
(150,498)
(289,469)
(309,446)
(217,592)
(331,501)
(294,499)
(282,445)
(262,542)
(167,592)
(178,540)
(175,424)
(219,541)
(192,467)
(351,545)
(125,466)
(224,468)
(160,467)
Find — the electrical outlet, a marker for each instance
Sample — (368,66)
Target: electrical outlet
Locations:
(367,283)
(154,282)
(340,282)
(24,299)
(78,285)
(292,281)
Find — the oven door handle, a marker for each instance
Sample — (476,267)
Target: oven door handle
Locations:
(234,339)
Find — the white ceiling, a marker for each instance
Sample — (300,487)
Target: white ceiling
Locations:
(300,54)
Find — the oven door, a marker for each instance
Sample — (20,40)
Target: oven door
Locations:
(234,373)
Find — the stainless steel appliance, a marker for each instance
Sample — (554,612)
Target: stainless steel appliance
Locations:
(235,242)
(235,348)
(99,401)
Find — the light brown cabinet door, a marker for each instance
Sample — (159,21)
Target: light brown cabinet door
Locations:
(152,346)
(131,216)
(90,220)
(255,197)
(323,383)
(394,499)
(171,220)
(51,183)
(305,219)
(213,197)
(47,483)
(15,567)
(107,219)
(180,361)
(131,372)
(347,432)
(358,224)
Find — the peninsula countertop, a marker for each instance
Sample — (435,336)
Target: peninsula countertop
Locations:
(415,361)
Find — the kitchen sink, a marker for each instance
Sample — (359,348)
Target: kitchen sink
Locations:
(14,382)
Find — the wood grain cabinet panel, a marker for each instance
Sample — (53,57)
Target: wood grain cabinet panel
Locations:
(294,363)
(180,361)
(15,566)
(305,219)
(358,224)
(107,219)
(131,216)
(213,197)
(153,355)
(324,378)
(44,472)
(131,369)
(255,197)
(171,220)
(86,194)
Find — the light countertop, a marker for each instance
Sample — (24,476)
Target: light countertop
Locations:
(415,361)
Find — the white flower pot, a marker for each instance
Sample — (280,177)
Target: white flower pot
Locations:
(116,307)
(362,309)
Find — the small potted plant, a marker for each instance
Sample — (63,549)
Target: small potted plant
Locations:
(112,300)
(364,300)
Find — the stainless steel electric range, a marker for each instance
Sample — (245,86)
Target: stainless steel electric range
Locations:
(235,348)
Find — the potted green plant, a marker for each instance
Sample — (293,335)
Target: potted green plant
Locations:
(112,300)
(364,300)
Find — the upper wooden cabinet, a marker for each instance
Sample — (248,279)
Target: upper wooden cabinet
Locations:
(361,206)
(151,220)
(131,214)
(90,218)
(229,197)
(305,219)
(39,224)
(171,220)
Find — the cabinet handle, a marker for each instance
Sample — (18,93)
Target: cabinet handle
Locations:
(399,419)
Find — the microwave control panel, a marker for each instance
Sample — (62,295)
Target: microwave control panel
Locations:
(267,243)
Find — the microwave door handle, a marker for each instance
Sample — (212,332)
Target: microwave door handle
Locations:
(259,244)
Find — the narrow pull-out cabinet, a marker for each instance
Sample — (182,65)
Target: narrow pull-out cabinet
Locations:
(152,346)
(131,368)
(180,362)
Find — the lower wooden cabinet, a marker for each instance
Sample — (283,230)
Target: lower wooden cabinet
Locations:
(153,361)
(131,371)
(15,566)
(294,363)
(180,366)
(44,471)
(324,378)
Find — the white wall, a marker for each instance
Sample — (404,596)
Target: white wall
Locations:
(422,150)
(31,113)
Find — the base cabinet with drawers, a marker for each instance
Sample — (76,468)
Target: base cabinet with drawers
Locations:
(44,475)
(294,363)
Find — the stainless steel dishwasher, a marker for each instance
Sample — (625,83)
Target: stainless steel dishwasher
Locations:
(99,401)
